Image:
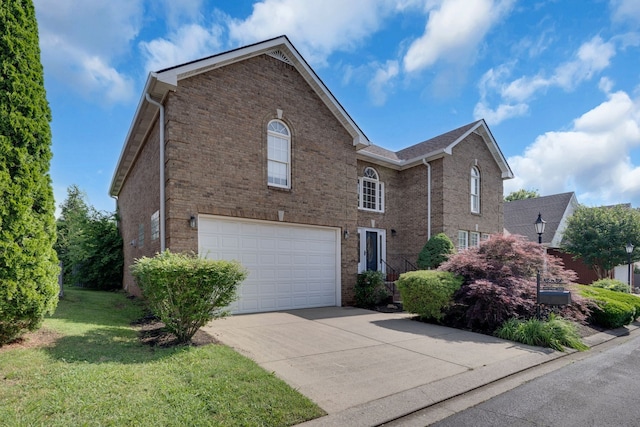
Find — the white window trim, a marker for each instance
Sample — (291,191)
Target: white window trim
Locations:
(463,240)
(474,239)
(287,164)
(379,187)
(155,225)
(475,190)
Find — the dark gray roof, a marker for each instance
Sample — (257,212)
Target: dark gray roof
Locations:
(438,143)
(520,215)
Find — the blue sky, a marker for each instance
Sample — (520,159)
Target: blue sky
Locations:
(557,81)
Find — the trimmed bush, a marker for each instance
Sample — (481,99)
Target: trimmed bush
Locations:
(428,293)
(612,309)
(370,290)
(555,333)
(186,291)
(435,251)
(611,284)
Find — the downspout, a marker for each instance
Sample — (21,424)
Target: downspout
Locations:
(162,201)
(428,198)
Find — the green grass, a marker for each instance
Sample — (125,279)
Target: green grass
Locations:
(98,374)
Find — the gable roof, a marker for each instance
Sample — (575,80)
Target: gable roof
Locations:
(160,83)
(520,215)
(435,148)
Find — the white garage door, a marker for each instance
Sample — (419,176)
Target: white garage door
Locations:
(290,266)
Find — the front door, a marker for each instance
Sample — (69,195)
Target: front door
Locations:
(372,243)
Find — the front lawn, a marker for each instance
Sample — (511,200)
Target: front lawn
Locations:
(89,368)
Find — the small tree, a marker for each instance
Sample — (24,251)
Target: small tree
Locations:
(71,226)
(436,251)
(500,283)
(186,291)
(521,194)
(598,236)
(89,244)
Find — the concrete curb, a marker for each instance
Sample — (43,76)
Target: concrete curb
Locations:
(401,404)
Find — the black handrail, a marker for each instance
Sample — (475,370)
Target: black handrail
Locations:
(409,266)
(393,274)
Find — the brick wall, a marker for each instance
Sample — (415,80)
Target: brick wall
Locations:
(456,208)
(216,155)
(137,201)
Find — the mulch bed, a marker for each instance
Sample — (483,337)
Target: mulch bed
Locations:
(152,332)
(43,337)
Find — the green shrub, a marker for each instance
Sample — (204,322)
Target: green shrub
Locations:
(428,293)
(556,333)
(186,291)
(612,309)
(370,290)
(435,251)
(611,284)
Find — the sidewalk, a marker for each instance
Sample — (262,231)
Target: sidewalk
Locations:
(365,368)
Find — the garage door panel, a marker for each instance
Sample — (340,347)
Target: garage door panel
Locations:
(289,266)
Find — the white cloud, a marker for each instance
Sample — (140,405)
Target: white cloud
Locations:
(316,27)
(626,10)
(591,58)
(71,53)
(501,113)
(593,158)
(453,31)
(185,44)
(382,82)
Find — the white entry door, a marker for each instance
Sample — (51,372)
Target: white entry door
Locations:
(373,249)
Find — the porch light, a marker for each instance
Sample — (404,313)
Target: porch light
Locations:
(192,221)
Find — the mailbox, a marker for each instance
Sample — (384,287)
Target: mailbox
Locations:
(554,297)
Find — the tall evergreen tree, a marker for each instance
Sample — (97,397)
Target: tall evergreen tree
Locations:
(28,263)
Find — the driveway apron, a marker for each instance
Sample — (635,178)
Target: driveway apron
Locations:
(342,357)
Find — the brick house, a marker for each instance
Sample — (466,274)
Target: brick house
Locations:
(262,164)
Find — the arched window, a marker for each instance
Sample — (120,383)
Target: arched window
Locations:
(278,154)
(475,190)
(370,191)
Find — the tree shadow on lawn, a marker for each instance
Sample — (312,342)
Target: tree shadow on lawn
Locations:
(109,344)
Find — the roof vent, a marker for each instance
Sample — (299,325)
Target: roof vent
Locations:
(278,54)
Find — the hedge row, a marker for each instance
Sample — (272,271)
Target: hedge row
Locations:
(612,309)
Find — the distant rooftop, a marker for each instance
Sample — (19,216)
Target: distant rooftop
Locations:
(520,215)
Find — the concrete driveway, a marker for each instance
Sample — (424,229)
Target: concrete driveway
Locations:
(360,363)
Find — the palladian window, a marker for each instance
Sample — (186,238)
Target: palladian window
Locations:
(475,190)
(370,191)
(278,154)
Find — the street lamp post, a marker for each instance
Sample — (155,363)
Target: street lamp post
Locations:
(629,249)
(539,224)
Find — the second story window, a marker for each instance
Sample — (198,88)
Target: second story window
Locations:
(370,191)
(278,155)
(475,190)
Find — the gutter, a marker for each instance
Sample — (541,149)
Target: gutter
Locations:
(162,189)
(428,165)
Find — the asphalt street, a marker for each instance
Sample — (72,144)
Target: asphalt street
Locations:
(598,390)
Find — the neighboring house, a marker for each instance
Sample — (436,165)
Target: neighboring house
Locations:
(520,215)
(256,161)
